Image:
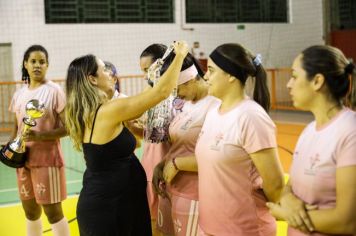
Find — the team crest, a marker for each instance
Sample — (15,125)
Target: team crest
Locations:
(217,142)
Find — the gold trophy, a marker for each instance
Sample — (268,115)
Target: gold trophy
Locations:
(13,154)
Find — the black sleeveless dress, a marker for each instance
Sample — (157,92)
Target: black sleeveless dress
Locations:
(113,200)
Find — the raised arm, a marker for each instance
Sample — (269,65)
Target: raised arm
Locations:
(124,109)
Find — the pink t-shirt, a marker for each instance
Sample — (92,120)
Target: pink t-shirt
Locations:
(231,199)
(41,153)
(317,156)
(184,131)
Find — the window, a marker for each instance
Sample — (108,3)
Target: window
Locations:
(236,11)
(109,11)
(343,14)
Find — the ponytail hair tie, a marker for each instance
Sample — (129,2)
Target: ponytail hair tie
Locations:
(257,61)
(349,68)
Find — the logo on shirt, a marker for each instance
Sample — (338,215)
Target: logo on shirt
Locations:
(313,161)
(186,125)
(217,142)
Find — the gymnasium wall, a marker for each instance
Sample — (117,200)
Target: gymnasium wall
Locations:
(22,23)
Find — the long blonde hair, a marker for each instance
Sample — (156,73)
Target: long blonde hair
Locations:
(83,98)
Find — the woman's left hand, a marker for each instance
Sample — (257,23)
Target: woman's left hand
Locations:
(169,172)
(282,213)
(158,180)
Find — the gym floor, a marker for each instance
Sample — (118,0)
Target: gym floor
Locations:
(12,218)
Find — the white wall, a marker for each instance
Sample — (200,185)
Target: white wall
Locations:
(22,23)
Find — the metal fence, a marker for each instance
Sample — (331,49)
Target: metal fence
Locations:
(134,84)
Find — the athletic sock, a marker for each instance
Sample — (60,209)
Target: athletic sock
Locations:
(34,227)
(61,228)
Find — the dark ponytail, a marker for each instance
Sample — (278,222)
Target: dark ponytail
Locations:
(332,64)
(351,98)
(260,92)
(239,62)
(25,76)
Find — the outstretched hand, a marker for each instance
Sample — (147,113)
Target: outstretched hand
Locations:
(181,48)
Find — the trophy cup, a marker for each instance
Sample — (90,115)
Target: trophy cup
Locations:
(13,153)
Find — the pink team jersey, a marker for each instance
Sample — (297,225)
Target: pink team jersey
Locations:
(231,199)
(41,153)
(317,156)
(184,131)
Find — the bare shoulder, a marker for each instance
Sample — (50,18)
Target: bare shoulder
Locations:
(102,131)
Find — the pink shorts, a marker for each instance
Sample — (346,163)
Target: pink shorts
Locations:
(179,217)
(164,216)
(185,216)
(46,184)
(202,233)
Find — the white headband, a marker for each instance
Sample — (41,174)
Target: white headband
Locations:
(187,74)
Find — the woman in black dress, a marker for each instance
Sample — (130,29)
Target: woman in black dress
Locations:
(113,199)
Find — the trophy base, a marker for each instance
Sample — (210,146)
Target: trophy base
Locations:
(11,158)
